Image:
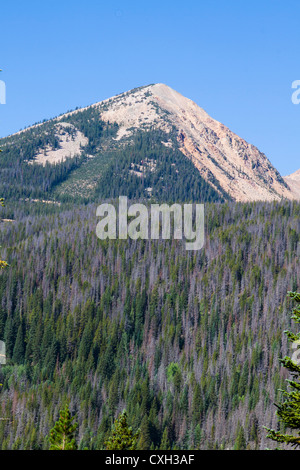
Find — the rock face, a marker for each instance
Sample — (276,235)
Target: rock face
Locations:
(240,168)
(293,182)
(69,145)
(221,156)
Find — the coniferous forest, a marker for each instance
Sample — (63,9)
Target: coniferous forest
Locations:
(124,332)
(188,342)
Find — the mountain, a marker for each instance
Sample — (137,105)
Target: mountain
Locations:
(148,142)
(293,181)
(188,342)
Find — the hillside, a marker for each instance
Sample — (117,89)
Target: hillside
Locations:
(150,142)
(293,181)
(188,342)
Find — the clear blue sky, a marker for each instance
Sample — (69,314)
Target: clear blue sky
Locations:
(236,59)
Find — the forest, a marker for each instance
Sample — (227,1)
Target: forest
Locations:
(187,342)
(140,167)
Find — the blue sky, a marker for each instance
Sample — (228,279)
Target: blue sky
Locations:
(235,59)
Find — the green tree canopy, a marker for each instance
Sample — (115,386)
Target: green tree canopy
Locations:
(289,410)
(122,437)
(62,436)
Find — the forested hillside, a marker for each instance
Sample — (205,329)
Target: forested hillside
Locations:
(187,342)
(148,165)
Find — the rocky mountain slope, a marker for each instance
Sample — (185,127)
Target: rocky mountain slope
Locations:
(226,162)
(293,181)
(240,168)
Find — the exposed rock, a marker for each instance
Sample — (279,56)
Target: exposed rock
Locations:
(293,181)
(240,168)
(69,146)
(222,157)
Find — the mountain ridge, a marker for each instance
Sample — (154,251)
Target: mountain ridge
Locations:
(228,163)
(293,181)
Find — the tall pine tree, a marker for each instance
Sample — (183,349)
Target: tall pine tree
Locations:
(289,410)
(122,437)
(62,436)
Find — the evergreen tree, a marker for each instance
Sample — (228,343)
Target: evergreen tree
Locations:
(165,443)
(62,435)
(240,443)
(144,442)
(289,410)
(122,437)
(19,348)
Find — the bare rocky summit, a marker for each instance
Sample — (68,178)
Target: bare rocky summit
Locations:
(221,156)
(240,168)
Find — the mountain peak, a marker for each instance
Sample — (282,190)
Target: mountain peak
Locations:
(227,163)
(293,182)
(239,168)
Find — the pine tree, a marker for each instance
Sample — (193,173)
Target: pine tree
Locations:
(165,443)
(122,437)
(62,435)
(289,410)
(144,442)
(19,349)
(240,443)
